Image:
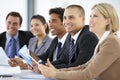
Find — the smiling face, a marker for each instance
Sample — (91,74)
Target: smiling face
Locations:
(37,27)
(55,25)
(13,25)
(97,22)
(72,20)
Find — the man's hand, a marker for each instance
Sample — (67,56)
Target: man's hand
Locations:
(35,67)
(18,62)
(15,62)
(49,70)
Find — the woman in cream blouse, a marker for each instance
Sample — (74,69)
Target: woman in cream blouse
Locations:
(105,64)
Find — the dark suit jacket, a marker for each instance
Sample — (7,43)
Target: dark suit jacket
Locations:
(84,49)
(23,36)
(50,51)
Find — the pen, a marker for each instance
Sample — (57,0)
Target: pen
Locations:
(6,75)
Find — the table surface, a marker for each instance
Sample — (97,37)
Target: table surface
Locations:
(26,75)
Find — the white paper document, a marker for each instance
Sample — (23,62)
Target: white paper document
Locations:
(28,74)
(7,70)
(24,52)
(3,57)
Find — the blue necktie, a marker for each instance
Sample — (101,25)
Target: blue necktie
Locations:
(71,50)
(12,48)
(59,48)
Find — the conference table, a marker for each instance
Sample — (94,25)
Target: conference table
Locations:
(14,73)
(25,75)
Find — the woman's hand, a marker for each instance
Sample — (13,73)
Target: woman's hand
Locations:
(49,70)
(35,67)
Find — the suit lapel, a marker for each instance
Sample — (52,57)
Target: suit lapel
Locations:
(21,39)
(39,47)
(65,47)
(81,33)
(53,47)
(4,40)
(34,43)
(78,40)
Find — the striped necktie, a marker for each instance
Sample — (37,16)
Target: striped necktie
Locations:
(12,48)
(71,50)
(59,48)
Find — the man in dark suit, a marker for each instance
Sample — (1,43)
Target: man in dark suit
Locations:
(13,23)
(83,51)
(84,40)
(56,28)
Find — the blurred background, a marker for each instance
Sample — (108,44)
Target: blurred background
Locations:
(27,8)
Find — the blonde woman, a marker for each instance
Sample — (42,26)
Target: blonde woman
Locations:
(105,64)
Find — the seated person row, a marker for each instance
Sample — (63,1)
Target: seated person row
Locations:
(85,41)
(57,29)
(105,64)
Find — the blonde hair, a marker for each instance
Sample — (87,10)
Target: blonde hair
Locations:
(108,11)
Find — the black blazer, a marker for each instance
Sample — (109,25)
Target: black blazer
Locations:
(84,49)
(50,51)
(23,36)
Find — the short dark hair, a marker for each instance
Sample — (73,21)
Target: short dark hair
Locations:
(15,14)
(80,8)
(42,19)
(57,10)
